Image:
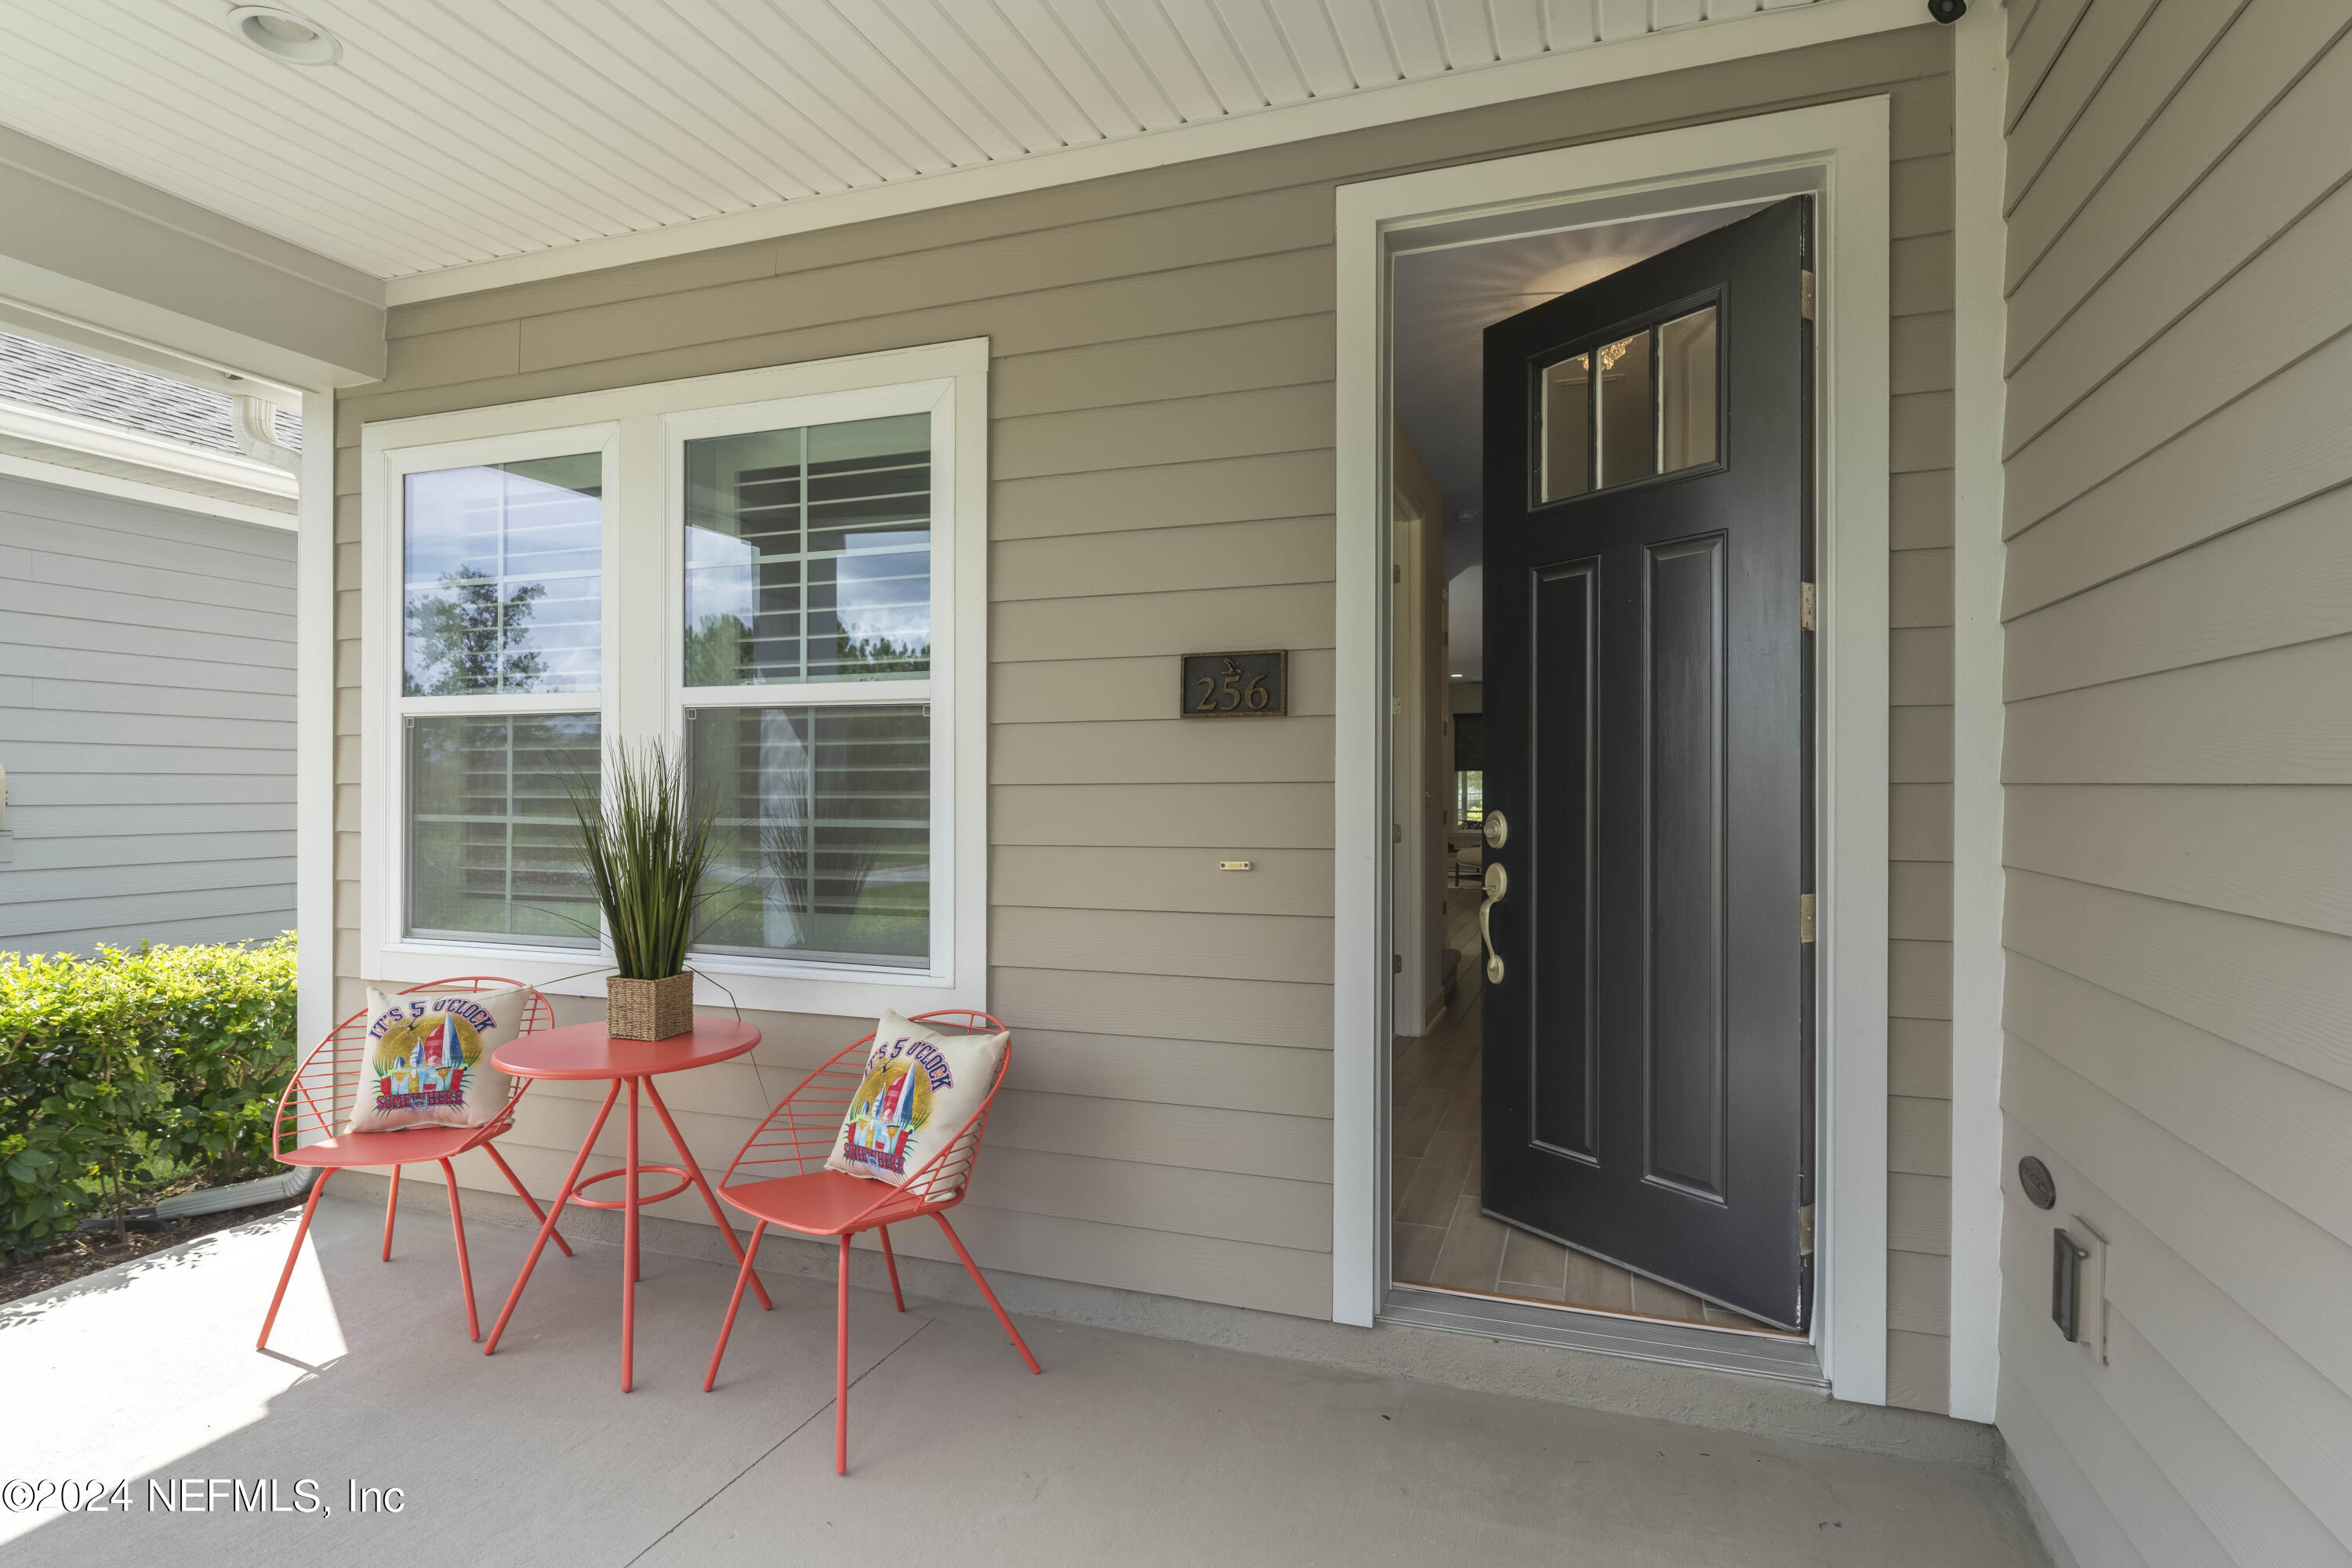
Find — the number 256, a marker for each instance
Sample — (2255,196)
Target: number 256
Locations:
(1253,696)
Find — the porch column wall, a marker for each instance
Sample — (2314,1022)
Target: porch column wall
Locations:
(1163,482)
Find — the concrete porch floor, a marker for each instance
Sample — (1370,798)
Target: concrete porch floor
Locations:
(1127,1448)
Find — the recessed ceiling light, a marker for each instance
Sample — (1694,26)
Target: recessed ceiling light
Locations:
(281,34)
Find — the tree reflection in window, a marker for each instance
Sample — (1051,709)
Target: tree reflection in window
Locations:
(502,578)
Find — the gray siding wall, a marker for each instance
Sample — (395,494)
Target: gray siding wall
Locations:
(2178,655)
(146,723)
(1163,481)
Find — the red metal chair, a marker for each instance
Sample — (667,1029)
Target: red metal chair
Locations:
(317,1105)
(813,1201)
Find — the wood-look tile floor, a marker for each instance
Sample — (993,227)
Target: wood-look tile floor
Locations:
(1438,1236)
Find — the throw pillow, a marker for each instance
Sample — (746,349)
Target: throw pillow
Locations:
(921,1087)
(429,1059)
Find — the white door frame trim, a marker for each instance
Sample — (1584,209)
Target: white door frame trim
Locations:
(1840,153)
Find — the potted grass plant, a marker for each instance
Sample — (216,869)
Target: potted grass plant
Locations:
(644,844)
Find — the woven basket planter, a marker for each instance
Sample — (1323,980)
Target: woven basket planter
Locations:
(648,1009)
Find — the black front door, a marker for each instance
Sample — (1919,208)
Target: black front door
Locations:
(1648,1093)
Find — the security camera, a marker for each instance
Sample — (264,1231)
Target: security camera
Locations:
(1948,11)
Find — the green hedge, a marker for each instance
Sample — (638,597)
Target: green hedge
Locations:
(134,1071)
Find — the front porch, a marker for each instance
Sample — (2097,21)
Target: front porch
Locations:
(1152,1449)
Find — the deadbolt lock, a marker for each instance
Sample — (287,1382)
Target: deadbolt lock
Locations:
(1498,831)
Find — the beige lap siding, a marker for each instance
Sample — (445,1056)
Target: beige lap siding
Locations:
(1163,481)
(2179,609)
(1919,879)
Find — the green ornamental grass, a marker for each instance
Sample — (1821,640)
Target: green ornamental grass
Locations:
(646,843)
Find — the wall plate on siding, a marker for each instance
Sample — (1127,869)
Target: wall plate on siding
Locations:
(2040,1189)
(2092,1318)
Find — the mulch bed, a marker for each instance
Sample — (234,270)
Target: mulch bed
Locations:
(88,1251)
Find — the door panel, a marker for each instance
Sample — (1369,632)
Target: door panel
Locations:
(1685,784)
(1648,1077)
(1565,625)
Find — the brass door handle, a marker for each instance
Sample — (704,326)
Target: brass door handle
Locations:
(1498,883)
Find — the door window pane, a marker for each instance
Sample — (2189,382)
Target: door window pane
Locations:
(1687,403)
(503,581)
(1626,450)
(1567,431)
(824,818)
(492,841)
(808,553)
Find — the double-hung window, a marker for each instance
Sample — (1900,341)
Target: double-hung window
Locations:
(780,575)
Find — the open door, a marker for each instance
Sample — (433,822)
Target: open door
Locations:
(1648,1063)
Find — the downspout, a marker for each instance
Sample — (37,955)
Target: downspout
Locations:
(253,422)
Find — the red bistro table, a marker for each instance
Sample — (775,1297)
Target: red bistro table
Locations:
(584,1051)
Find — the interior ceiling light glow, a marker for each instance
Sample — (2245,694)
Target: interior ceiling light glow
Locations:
(284,35)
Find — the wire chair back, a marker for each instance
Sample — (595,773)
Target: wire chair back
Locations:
(800,1133)
(319,1100)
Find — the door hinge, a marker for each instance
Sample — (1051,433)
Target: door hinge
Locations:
(1396,963)
(1805,293)
(1804,917)
(1807,603)
(1805,1231)
(1396,573)
(1396,832)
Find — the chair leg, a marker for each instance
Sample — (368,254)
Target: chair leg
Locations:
(841,1364)
(524,1193)
(292,1253)
(890,1259)
(994,1304)
(465,1264)
(391,1207)
(734,1302)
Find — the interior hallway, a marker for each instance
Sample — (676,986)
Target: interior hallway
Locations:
(1438,1237)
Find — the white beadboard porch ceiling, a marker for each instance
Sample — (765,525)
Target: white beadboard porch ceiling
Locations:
(458,131)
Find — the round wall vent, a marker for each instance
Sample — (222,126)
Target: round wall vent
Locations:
(281,34)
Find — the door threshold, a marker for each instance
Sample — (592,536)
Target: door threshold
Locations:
(1786,1358)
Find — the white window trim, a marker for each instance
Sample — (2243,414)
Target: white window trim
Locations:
(641,430)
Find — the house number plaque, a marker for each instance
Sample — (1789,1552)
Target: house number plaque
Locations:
(1237,685)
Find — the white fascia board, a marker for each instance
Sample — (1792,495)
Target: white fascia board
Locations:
(1650,54)
(79,337)
(29,422)
(68,477)
(96,247)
